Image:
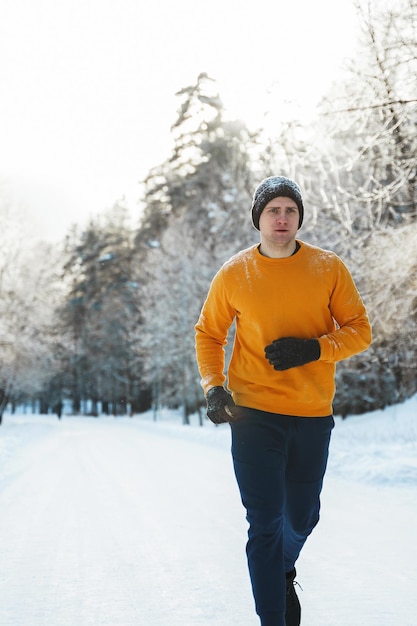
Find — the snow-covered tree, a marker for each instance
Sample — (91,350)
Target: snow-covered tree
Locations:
(196,215)
(28,289)
(369,121)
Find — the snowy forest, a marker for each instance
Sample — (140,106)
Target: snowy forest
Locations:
(103,321)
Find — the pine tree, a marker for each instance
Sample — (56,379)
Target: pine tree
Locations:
(196,215)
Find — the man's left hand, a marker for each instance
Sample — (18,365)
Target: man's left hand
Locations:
(288,352)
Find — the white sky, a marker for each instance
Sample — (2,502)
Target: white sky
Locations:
(88,86)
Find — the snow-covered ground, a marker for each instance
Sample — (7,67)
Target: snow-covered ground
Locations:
(130,522)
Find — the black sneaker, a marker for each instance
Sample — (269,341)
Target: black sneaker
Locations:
(293,608)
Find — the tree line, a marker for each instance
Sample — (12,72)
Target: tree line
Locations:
(103,322)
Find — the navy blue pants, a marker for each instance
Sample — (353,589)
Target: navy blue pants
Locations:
(279,462)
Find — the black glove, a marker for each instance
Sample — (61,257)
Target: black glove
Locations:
(220,405)
(288,352)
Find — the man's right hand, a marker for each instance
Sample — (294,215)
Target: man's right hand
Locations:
(220,405)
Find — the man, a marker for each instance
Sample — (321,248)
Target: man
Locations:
(297,312)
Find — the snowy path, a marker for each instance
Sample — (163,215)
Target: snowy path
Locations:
(105,523)
(124,522)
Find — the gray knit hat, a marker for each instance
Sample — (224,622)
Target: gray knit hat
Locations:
(271,188)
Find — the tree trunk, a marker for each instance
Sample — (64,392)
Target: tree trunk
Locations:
(3,403)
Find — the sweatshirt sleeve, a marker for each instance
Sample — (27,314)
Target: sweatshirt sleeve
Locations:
(353,333)
(216,317)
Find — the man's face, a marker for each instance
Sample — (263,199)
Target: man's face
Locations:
(279,220)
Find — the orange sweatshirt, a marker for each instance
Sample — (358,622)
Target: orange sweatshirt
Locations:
(308,295)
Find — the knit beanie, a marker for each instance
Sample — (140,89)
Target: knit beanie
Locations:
(273,187)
